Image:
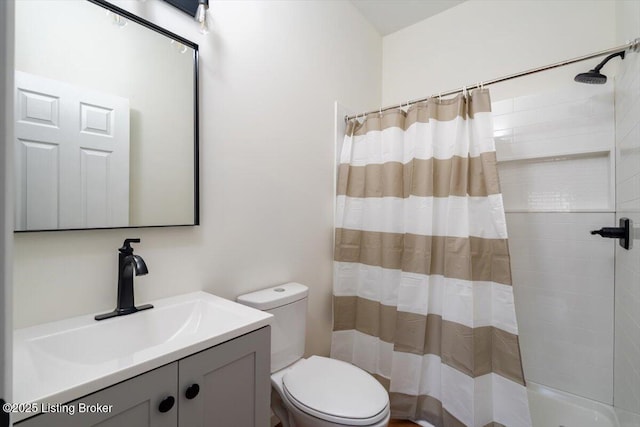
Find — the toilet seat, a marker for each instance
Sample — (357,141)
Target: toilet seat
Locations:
(336,391)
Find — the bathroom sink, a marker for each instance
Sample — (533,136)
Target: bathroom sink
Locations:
(61,361)
(128,336)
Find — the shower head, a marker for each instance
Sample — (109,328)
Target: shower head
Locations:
(594,76)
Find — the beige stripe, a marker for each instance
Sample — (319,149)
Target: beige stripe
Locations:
(473,351)
(364,315)
(472,258)
(382,380)
(403,405)
(344,313)
(506,358)
(450,420)
(422,407)
(434,109)
(457,176)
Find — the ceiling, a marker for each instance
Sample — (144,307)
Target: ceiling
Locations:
(389,16)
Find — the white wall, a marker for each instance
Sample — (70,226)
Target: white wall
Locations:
(6,204)
(485,39)
(627,291)
(270,73)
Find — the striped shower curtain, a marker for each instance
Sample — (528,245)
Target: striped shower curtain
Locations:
(422,280)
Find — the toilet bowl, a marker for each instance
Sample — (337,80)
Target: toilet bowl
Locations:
(323,392)
(318,391)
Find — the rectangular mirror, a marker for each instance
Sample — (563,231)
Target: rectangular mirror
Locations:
(106,119)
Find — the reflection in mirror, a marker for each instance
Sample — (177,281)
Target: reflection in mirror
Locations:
(106,119)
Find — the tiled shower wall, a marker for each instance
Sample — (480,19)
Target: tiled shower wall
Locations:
(556,163)
(627,292)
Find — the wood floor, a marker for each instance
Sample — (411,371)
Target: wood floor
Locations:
(392,423)
(401,423)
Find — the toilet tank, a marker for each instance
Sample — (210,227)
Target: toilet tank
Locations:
(288,304)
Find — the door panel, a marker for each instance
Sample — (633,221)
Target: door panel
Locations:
(132,403)
(233,381)
(38,193)
(72,156)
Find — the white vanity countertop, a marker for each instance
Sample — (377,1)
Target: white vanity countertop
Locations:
(62,361)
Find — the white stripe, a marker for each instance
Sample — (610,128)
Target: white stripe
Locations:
(347,147)
(474,401)
(342,345)
(458,394)
(503,310)
(367,281)
(365,351)
(407,373)
(510,403)
(421,294)
(374,355)
(431,378)
(483,396)
(470,303)
(456,137)
(478,401)
(428,216)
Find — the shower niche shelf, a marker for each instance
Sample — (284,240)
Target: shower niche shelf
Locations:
(553,157)
(569,182)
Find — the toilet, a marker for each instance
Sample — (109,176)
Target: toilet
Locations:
(318,391)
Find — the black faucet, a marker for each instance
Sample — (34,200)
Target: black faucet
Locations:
(128,264)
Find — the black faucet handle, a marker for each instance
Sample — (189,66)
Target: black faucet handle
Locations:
(126,246)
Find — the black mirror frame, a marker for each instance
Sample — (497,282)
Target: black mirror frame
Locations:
(196,162)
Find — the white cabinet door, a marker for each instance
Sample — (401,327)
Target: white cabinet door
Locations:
(227,385)
(137,402)
(72,156)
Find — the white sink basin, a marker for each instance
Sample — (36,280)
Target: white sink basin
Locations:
(98,342)
(62,361)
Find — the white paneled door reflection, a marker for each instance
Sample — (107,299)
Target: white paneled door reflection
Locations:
(72,156)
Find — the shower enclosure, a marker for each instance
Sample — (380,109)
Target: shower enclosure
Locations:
(569,163)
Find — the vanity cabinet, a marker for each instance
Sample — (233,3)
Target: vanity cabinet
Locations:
(234,384)
(226,385)
(130,403)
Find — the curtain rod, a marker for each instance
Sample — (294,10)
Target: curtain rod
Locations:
(631,46)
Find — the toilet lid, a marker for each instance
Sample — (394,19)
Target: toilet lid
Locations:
(331,389)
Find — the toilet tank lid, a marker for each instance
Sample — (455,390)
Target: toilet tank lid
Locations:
(276,296)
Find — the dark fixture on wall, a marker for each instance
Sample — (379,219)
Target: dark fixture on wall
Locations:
(128,265)
(594,77)
(196,8)
(623,232)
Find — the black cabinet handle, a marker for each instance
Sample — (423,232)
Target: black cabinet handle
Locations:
(192,391)
(166,404)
